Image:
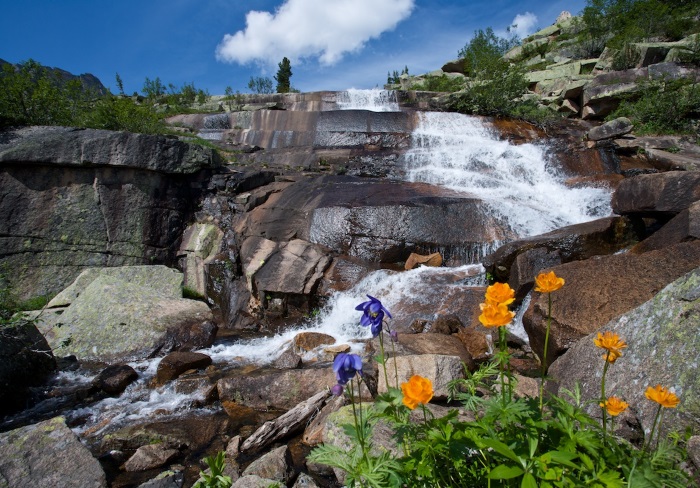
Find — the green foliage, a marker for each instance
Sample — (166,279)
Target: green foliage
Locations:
(495,92)
(215,478)
(619,22)
(284,73)
(395,78)
(123,113)
(483,53)
(509,444)
(662,107)
(260,85)
(34,95)
(442,83)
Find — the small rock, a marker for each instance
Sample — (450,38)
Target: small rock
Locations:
(253,481)
(693,448)
(610,130)
(307,341)
(272,465)
(150,457)
(166,479)
(415,260)
(305,481)
(446,324)
(288,360)
(114,379)
(176,363)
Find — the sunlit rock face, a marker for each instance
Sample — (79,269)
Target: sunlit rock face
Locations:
(72,199)
(377,220)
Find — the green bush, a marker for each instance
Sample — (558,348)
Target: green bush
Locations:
(662,107)
(622,21)
(484,52)
(123,113)
(31,94)
(442,83)
(495,95)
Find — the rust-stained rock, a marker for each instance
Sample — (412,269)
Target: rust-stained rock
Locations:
(683,227)
(518,262)
(601,288)
(415,260)
(659,194)
(307,341)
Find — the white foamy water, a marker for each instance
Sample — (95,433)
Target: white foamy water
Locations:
(517,182)
(373,100)
(422,286)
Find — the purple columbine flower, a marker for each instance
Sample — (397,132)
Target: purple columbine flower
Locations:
(373,314)
(394,336)
(345,366)
(337,389)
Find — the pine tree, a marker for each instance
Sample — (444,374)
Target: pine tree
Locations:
(283,74)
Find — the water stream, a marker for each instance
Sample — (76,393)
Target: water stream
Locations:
(372,100)
(519,184)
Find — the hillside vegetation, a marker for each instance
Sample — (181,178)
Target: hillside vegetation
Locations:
(544,75)
(539,78)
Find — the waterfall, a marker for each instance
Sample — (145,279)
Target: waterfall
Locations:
(372,100)
(518,183)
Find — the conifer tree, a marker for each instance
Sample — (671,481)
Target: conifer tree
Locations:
(284,73)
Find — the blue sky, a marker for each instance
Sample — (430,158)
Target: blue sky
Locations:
(333,44)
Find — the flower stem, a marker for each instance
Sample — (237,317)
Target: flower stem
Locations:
(602,397)
(396,367)
(544,354)
(381,347)
(653,428)
(502,365)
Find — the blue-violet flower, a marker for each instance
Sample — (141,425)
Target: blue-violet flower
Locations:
(373,314)
(345,366)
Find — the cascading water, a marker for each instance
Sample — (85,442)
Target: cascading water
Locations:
(449,150)
(517,183)
(372,100)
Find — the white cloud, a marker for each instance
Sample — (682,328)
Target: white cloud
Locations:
(523,24)
(326,29)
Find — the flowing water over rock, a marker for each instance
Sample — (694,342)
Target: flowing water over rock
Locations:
(373,100)
(518,183)
(519,186)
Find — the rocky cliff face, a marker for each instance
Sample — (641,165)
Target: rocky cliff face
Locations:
(73,199)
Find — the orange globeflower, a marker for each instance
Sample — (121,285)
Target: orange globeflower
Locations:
(614,406)
(612,343)
(416,390)
(662,396)
(500,293)
(495,315)
(548,282)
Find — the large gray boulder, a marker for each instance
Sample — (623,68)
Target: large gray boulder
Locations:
(662,343)
(115,320)
(47,454)
(77,198)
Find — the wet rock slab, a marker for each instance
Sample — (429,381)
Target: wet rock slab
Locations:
(375,220)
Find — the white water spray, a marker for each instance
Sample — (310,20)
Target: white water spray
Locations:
(372,100)
(517,183)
